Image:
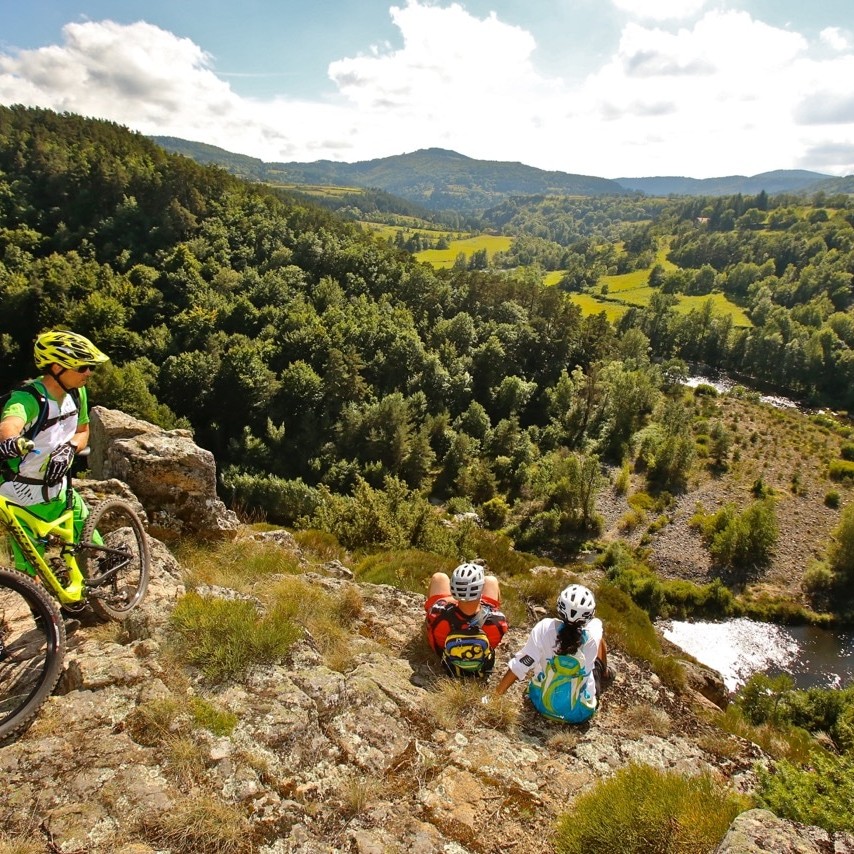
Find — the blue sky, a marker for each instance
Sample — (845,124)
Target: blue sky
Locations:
(615,88)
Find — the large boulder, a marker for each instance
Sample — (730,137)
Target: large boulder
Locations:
(173,478)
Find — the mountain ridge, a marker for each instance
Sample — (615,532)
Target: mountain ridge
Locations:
(445,179)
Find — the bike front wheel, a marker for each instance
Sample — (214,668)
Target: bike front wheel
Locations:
(32,649)
(114,557)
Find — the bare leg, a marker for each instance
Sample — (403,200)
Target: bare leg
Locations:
(440,585)
(491,589)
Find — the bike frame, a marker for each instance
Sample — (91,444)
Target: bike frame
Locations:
(14,517)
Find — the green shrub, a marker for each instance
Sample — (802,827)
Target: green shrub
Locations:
(705,390)
(740,539)
(281,501)
(780,742)
(394,517)
(642,809)
(821,793)
(832,499)
(623,479)
(494,513)
(235,563)
(675,598)
(641,501)
(847,451)
(223,638)
(841,470)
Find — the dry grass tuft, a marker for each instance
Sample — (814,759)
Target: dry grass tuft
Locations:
(457,703)
(200,824)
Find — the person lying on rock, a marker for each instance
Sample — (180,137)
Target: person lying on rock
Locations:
(568,657)
(464,620)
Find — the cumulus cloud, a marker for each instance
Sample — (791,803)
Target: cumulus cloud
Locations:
(726,94)
(835,38)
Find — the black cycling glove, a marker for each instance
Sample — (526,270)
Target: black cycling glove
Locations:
(58,464)
(16,446)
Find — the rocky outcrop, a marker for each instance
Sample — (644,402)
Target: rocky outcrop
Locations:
(760,832)
(322,759)
(173,478)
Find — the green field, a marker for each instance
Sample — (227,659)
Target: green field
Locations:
(444,258)
(389,232)
(632,289)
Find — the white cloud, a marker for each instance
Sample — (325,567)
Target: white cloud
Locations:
(835,38)
(728,94)
(660,10)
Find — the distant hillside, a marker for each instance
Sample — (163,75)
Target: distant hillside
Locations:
(433,177)
(779,181)
(250,168)
(836,185)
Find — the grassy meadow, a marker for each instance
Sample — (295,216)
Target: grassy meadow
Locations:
(444,258)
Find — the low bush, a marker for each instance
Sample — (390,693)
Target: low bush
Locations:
(820,793)
(832,499)
(841,470)
(623,480)
(282,501)
(212,718)
(394,517)
(642,809)
(780,742)
(847,451)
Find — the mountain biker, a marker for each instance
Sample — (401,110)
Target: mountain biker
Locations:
(568,657)
(37,479)
(464,620)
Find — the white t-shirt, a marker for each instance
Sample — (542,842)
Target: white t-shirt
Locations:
(576,701)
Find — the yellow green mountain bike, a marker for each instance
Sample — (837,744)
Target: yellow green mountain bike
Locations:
(105,570)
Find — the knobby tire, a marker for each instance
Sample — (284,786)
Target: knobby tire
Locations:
(32,650)
(121,529)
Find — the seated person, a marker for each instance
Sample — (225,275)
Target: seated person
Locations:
(568,657)
(464,620)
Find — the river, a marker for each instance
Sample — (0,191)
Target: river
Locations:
(738,648)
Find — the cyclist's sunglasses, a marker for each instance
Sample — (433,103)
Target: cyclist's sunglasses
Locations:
(86,369)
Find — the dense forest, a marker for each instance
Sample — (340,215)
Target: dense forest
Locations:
(315,360)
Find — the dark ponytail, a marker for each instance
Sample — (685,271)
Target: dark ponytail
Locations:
(569,638)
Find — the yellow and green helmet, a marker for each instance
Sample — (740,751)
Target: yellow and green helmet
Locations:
(67,349)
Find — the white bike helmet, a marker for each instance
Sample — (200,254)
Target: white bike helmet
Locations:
(576,604)
(467,582)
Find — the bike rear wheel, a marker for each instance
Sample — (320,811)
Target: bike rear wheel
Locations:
(116,570)
(32,649)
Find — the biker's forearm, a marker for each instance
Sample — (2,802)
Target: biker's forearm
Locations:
(80,439)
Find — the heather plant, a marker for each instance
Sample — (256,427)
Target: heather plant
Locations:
(642,809)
